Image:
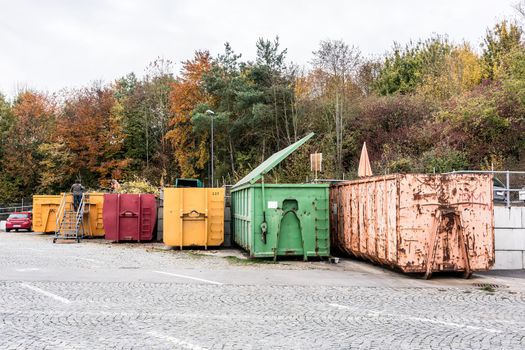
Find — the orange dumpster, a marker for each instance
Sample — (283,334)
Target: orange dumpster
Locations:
(416,223)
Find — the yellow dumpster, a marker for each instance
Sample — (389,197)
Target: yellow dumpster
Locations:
(45,208)
(193,217)
(96,206)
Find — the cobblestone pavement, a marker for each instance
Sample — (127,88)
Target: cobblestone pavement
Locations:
(99,296)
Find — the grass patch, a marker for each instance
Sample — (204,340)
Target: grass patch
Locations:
(488,288)
(235,260)
(197,255)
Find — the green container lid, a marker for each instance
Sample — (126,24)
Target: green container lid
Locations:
(271,162)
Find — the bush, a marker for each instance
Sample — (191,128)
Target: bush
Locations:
(442,161)
(138,186)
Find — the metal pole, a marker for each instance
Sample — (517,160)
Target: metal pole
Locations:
(507,185)
(211,114)
(212,177)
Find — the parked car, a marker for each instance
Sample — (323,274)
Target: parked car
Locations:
(19,221)
(499,191)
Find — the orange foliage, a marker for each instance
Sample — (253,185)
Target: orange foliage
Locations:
(186,94)
(34,124)
(91,128)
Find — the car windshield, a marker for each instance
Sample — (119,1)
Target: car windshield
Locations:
(18,216)
(498,183)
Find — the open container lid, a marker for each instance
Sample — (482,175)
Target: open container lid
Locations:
(271,162)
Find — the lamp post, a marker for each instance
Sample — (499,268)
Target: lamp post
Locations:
(211,114)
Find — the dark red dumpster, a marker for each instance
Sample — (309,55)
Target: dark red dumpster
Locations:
(129,217)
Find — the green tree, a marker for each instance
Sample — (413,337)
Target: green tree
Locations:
(405,68)
(502,39)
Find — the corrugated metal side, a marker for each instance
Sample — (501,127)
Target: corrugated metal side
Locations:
(364,218)
(242,216)
(193,216)
(391,220)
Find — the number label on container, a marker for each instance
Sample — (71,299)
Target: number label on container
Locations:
(272,204)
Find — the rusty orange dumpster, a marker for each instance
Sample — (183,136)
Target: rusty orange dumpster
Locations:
(416,223)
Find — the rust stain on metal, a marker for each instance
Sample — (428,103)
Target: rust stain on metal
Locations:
(416,223)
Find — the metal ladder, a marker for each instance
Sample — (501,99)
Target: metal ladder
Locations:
(70,223)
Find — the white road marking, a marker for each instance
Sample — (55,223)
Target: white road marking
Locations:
(35,250)
(189,277)
(86,259)
(28,269)
(373,313)
(46,293)
(176,341)
(452,324)
(342,306)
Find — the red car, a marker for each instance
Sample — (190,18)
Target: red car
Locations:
(19,221)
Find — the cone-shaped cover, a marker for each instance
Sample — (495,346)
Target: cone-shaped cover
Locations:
(364,169)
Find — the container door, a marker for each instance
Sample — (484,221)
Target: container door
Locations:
(129,217)
(290,237)
(185,216)
(194,214)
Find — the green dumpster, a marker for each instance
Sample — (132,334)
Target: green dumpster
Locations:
(188,183)
(271,220)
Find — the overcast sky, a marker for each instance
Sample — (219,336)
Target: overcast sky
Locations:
(51,44)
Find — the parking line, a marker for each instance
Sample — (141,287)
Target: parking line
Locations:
(33,249)
(46,293)
(86,259)
(176,341)
(28,269)
(373,313)
(189,277)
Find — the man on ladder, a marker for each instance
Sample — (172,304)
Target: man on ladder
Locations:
(77,189)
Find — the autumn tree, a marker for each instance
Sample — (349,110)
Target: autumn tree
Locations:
(90,126)
(338,62)
(189,149)
(8,187)
(33,125)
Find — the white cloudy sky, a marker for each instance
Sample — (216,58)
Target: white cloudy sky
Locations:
(51,44)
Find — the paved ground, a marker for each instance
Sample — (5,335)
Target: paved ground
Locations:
(96,295)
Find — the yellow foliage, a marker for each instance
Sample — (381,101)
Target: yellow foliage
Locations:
(461,70)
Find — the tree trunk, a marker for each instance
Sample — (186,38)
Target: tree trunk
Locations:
(286,122)
(232,162)
(275,117)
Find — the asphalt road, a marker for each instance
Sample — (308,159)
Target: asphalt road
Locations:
(95,295)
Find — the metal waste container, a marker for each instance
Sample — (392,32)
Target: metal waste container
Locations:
(193,217)
(45,209)
(416,223)
(129,217)
(271,220)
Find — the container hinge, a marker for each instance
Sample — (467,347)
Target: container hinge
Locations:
(264,231)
